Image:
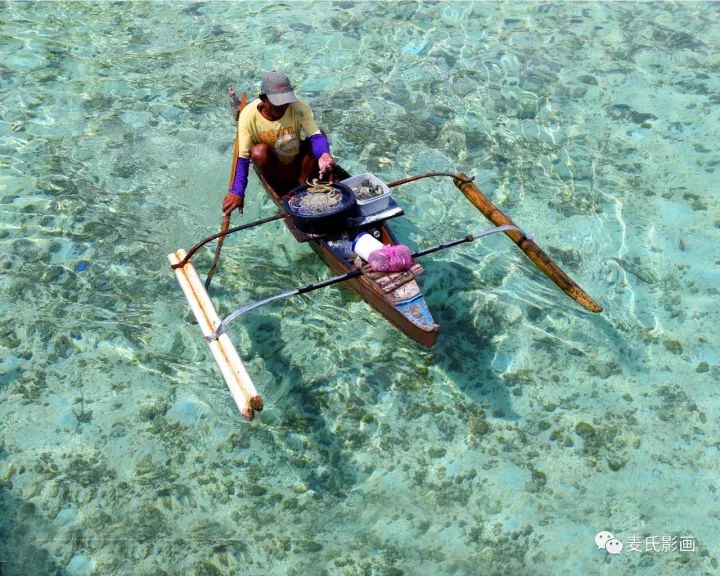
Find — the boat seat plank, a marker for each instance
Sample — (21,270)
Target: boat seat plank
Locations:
(390,281)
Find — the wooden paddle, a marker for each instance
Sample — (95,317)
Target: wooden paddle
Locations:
(237,108)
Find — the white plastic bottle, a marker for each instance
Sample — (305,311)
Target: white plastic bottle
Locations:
(364,244)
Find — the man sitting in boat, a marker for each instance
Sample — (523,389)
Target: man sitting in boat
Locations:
(279,134)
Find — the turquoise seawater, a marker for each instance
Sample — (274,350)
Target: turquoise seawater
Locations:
(531,426)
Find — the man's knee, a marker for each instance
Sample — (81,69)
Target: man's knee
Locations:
(261,154)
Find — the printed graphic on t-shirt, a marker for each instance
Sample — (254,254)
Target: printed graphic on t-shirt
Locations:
(284,141)
(283,135)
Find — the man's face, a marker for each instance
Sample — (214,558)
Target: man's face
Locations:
(276,111)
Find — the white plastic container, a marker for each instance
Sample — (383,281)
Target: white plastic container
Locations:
(372,205)
(364,244)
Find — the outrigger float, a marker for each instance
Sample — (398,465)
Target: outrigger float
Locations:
(396,295)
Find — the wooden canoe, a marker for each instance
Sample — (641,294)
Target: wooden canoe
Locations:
(397,296)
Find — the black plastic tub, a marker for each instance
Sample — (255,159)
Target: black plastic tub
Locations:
(332,221)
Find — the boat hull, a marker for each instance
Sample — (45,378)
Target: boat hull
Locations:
(425,335)
(408,314)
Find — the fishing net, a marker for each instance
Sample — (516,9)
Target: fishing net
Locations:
(317,199)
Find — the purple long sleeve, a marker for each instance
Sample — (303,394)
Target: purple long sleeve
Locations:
(242,165)
(319,144)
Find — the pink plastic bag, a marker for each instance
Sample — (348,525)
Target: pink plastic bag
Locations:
(391,259)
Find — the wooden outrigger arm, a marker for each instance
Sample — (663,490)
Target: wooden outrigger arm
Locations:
(526,244)
(236,376)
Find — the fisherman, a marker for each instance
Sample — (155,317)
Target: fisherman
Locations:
(279,134)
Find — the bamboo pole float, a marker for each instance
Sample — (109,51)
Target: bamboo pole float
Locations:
(243,377)
(236,377)
(527,245)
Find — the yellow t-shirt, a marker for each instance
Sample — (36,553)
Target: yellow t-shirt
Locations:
(283,136)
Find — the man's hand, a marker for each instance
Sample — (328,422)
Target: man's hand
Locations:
(231,202)
(326,164)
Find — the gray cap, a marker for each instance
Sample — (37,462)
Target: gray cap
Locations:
(276,86)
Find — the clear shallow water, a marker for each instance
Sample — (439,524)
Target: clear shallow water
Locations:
(527,429)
